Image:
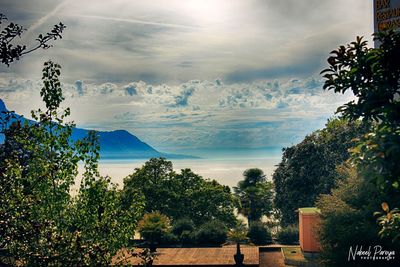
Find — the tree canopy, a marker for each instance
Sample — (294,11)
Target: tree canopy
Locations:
(40,222)
(255,195)
(308,168)
(373,76)
(180,195)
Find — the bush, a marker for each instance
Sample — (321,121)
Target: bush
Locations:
(238,234)
(347,221)
(183,229)
(169,239)
(259,234)
(288,235)
(181,225)
(153,226)
(187,238)
(212,233)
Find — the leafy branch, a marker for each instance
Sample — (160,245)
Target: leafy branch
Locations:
(9,52)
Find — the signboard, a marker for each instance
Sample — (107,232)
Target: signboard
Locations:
(386,14)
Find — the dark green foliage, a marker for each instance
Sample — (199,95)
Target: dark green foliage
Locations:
(169,239)
(373,75)
(184,230)
(181,225)
(154,226)
(187,238)
(288,235)
(181,195)
(9,52)
(347,219)
(389,220)
(254,194)
(259,234)
(151,180)
(238,234)
(308,168)
(212,233)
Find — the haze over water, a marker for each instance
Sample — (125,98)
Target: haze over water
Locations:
(224,166)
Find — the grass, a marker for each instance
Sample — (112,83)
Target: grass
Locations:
(294,256)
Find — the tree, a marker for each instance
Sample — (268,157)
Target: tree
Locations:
(183,195)
(151,180)
(210,201)
(254,194)
(373,75)
(10,52)
(308,169)
(37,170)
(40,223)
(103,223)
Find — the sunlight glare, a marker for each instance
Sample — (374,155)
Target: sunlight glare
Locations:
(205,11)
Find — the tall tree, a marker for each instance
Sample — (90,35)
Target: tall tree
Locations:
(40,223)
(308,168)
(373,76)
(255,195)
(151,180)
(184,194)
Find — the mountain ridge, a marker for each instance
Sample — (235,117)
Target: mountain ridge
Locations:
(116,144)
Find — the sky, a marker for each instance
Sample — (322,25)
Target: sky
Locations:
(189,74)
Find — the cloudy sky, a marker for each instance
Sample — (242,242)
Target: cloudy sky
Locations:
(187,74)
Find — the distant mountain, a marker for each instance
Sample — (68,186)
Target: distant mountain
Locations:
(2,109)
(119,144)
(2,106)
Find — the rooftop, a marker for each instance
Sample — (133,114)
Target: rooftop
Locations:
(217,256)
(309,210)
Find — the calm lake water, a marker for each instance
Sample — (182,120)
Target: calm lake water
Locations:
(224,166)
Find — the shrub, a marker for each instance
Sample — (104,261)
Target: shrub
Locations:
(259,234)
(183,229)
(238,234)
(288,235)
(153,226)
(187,238)
(212,233)
(169,239)
(347,221)
(181,225)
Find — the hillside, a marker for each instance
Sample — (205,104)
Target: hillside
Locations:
(118,144)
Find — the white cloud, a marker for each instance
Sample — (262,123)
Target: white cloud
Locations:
(195,113)
(151,68)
